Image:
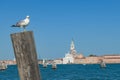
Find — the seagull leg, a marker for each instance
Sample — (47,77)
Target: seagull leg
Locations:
(24,29)
(21,28)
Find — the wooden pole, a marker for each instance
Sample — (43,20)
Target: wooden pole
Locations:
(26,57)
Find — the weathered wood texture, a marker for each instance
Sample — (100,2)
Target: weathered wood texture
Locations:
(26,57)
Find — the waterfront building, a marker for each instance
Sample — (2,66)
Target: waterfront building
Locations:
(111,58)
(58,61)
(68,59)
(70,56)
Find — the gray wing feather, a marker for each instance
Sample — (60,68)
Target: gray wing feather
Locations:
(20,23)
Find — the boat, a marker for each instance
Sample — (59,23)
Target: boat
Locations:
(102,64)
(3,65)
(54,66)
(84,64)
(44,63)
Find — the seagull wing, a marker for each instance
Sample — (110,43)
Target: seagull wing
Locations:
(20,23)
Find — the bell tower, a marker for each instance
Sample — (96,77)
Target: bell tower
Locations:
(72,48)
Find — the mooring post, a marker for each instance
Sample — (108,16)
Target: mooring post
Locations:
(26,57)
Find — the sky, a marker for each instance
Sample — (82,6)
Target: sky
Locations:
(93,24)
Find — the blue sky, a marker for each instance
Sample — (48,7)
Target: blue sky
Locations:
(93,24)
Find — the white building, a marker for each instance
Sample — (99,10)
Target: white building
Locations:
(69,57)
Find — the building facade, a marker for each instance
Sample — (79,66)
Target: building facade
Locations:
(70,56)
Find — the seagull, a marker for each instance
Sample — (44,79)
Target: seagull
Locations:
(22,23)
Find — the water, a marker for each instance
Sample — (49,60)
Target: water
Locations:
(69,72)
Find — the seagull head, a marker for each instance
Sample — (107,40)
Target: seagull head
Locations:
(27,16)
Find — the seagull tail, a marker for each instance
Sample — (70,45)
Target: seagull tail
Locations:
(13,26)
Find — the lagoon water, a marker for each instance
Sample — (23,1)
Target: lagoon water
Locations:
(69,72)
